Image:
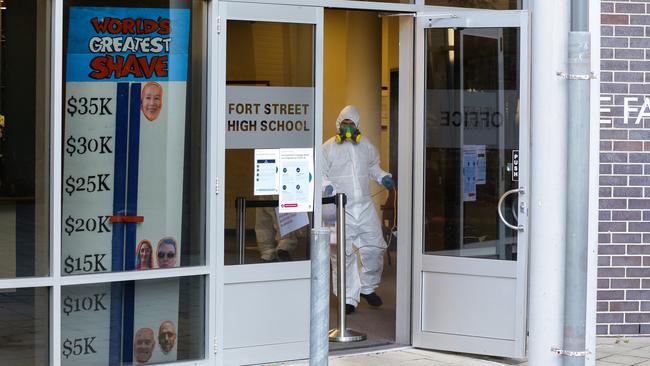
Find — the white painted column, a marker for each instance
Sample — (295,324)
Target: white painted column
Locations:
(550,27)
(592,264)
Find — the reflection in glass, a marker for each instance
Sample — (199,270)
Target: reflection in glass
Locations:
(24,138)
(24,327)
(133,135)
(271,64)
(472,129)
(483,4)
(141,322)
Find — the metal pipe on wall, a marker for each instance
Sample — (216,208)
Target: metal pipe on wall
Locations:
(577,207)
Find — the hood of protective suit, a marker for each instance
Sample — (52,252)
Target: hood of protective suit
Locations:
(349,112)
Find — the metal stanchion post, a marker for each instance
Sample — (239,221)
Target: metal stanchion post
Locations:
(241,227)
(320,290)
(342,333)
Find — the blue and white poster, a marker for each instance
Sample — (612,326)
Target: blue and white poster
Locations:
(124,137)
(470,164)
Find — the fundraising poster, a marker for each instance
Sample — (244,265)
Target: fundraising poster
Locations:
(125,98)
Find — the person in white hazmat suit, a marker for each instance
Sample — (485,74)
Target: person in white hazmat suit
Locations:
(349,162)
(272,247)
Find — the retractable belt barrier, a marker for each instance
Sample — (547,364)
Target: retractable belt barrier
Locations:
(342,333)
(242,204)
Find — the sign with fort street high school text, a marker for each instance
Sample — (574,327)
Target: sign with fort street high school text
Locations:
(264,117)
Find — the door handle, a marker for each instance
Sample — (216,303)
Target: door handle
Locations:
(503,219)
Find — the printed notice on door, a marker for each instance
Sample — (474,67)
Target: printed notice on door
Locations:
(296,180)
(266,174)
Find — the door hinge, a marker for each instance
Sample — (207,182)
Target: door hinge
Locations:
(216,186)
(218,25)
(215,346)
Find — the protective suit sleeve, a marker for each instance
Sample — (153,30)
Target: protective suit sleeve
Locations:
(376,173)
(326,167)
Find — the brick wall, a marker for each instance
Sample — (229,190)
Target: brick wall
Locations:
(624,208)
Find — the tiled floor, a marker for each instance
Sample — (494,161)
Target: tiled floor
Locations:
(609,352)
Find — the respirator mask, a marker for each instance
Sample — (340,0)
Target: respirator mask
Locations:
(348,132)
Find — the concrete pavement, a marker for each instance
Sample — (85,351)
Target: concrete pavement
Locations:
(631,351)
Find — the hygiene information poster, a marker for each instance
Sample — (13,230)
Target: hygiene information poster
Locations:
(470,164)
(267,179)
(481,161)
(124,143)
(481,167)
(296,180)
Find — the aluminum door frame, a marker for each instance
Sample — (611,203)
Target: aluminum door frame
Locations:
(255,275)
(467,18)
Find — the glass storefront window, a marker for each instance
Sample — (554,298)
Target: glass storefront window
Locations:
(270,100)
(134,322)
(133,135)
(24,326)
(472,141)
(484,4)
(24,138)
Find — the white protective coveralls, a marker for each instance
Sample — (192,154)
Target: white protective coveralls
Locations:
(267,231)
(348,167)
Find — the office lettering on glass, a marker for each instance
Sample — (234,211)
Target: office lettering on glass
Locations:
(124,169)
(480,115)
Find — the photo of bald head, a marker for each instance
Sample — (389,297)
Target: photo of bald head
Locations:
(167,336)
(143,345)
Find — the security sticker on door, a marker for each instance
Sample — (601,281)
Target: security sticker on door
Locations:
(296,180)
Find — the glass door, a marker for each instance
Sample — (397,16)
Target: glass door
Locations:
(270,108)
(471,160)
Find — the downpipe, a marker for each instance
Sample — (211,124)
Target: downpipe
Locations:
(577,203)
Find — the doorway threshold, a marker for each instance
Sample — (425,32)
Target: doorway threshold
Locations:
(361,350)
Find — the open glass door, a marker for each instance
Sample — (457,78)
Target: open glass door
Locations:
(471,162)
(270,108)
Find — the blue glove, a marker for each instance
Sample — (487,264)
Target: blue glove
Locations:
(388,182)
(329,190)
